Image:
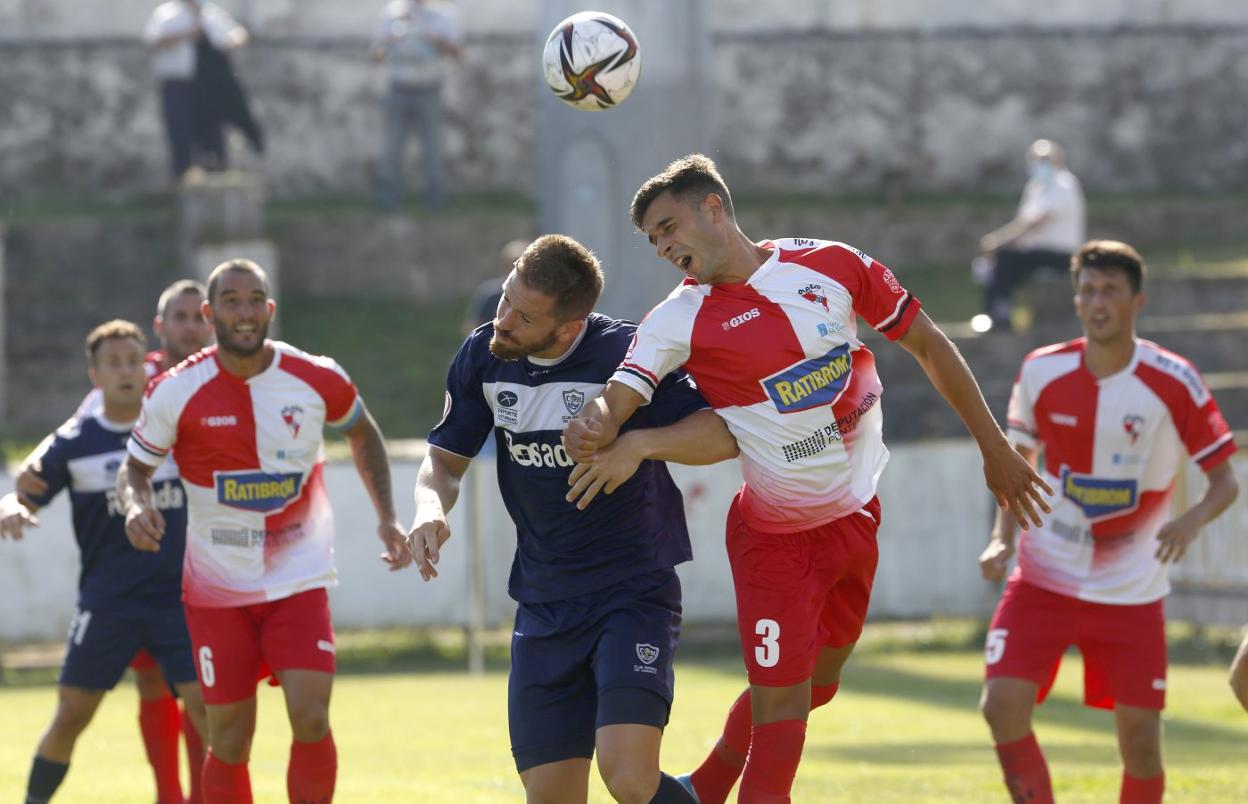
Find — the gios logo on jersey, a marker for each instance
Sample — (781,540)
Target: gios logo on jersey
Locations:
(537,453)
(1099,497)
(262,492)
(811,383)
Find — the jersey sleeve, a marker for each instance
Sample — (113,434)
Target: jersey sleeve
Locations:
(53,464)
(1021,413)
(660,345)
(878,297)
(157,428)
(676,397)
(1204,430)
(343,404)
(466,418)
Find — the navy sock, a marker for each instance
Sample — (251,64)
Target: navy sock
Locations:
(671,792)
(45,777)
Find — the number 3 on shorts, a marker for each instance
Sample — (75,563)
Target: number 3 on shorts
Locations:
(207,673)
(994,647)
(768,653)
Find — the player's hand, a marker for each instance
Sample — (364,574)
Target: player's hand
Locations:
(1015,484)
(28,483)
(1175,536)
(425,542)
(14,517)
(398,555)
(995,560)
(581,438)
(615,463)
(145,527)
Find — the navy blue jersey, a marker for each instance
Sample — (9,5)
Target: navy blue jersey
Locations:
(83,456)
(562,552)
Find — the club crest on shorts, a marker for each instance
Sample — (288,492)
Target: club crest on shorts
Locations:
(647,653)
(573,400)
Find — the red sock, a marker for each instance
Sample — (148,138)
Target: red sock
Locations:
(1142,791)
(195,759)
(775,752)
(224,783)
(1026,772)
(714,778)
(160,720)
(312,771)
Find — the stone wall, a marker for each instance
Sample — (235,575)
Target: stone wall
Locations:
(823,111)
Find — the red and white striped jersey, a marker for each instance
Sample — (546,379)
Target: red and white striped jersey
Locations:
(778,357)
(251,459)
(1111,447)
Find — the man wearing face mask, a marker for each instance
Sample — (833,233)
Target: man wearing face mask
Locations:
(1050,224)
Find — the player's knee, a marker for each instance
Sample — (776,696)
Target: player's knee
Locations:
(70,719)
(631,785)
(309,722)
(1003,711)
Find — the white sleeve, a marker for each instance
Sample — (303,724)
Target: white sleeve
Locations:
(219,26)
(661,343)
(1021,415)
(155,27)
(157,428)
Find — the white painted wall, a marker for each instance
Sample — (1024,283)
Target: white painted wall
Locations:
(936,518)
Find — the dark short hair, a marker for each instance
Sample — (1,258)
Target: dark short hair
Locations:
(691,177)
(561,268)
(177,289)
(237,264)
(1109,255)
(112,330)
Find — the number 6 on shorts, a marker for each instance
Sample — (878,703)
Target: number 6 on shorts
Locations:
(207,673)
(768,653)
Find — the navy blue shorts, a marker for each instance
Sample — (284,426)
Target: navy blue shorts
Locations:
(103,641)
(600,659)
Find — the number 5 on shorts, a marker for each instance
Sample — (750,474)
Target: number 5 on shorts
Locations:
(994,647)
(207,673)
(768,653)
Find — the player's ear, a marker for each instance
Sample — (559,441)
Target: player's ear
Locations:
(95,381)
(272,307)
(158,326)
(714,205)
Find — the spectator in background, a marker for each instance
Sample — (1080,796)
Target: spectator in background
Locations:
(484,302)
(189,39)
(413,38)
(1049,226)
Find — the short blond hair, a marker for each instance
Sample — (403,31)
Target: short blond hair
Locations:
(112,330)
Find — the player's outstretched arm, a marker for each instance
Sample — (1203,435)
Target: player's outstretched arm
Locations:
(994,561)
(145,526)
(1175,536)
(699,439)
(600,422)
(15,515)
(27,483)
(437,489)
(1010,478)
(368,449)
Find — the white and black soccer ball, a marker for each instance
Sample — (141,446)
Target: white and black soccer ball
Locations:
(591,61)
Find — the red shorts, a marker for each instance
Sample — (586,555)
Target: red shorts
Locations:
(798,593)
(1123,646)
(237,647)
(142,660)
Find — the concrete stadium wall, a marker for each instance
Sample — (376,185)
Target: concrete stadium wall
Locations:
(931,536)
(829,110)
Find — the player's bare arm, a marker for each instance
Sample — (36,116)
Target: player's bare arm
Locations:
(1177,534)
(699,439)
(27,483)
(16,514)
(368,449)
(1010,478)
(600,422)
(145,526)
(437,489)
(994,561)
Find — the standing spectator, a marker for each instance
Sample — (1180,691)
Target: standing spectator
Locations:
(414,37)
(174,31)
(1050,224)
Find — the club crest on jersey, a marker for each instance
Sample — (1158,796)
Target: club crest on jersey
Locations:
(647,652)
(573,400)
(1099,497)
(815,295)
(293,416)
(1133,424)
(811,383)
(262,492)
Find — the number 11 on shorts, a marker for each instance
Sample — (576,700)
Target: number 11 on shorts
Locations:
(767,653)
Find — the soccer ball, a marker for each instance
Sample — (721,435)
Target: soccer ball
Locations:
(591,61)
